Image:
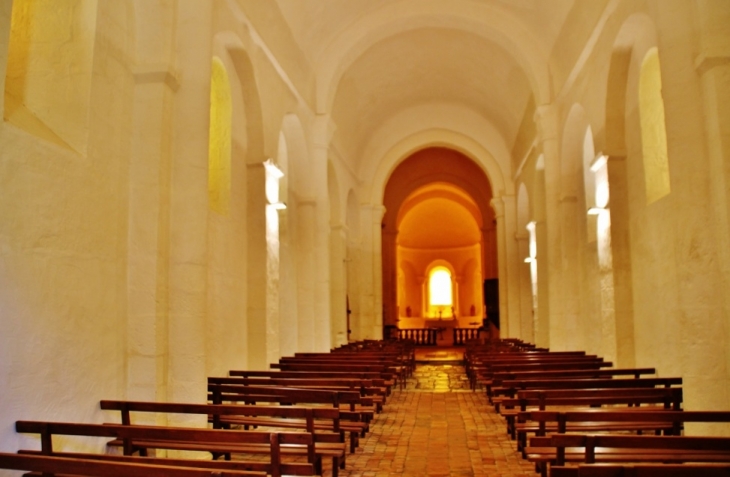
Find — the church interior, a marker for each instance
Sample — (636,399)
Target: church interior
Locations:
(189,187)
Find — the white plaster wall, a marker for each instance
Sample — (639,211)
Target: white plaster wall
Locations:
(62,252)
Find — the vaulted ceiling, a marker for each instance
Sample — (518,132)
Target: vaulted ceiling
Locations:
(376,59)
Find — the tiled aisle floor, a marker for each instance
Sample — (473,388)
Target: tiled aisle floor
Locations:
(437,427)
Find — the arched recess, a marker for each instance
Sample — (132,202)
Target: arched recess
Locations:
(568,332)
(446,174)
(635,38)
(228,224)
(248,195)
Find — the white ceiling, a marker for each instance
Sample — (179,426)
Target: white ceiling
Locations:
(378,58)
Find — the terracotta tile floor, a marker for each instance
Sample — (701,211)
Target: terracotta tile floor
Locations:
(437,427)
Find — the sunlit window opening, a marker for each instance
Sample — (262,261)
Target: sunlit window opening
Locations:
(219,147)
(653,129)
(48,76)
(439,287)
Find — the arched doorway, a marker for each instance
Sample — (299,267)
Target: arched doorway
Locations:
(438,217)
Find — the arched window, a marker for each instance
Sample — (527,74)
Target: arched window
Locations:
(219,147)
(653,128)
(440,288)
(48,76)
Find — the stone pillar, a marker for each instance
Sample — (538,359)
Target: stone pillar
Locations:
(189,206)
(390,276)
(257,265)
(305,274)
(506,328)
(147,274)
(713,67)
(621,257)
(527,331)
(318,183)
(371,274)
(505,213)
(338,305)
(542,317)
(289,319)
(550,256)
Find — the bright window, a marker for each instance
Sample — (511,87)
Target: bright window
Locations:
(439,287)
(653,128)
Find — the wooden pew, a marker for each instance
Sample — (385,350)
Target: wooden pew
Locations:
(376,378)
(322,422)
(499,377)
(486,374)
(509,388)
(90,466)
(642,470)
(668,398)
(558,449)
(364,387)
(136,439)
(356,411)
(386,371)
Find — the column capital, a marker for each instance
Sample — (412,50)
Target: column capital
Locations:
(498,206)
(546,120)
(377,211)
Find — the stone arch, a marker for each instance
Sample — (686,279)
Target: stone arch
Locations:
(465,145)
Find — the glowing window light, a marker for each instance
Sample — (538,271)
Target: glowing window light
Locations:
(219,140)
(653,128)
(439,287)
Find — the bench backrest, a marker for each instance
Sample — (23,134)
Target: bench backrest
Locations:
(684,444)
(309,414)
(89,467)
(518,384)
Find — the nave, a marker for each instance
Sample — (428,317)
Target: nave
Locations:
(502,408)
(438,427)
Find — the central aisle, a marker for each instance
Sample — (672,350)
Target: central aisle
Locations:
(437,427)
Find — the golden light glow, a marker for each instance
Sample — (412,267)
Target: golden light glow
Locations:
(219,147)
(653,129)
(439,287)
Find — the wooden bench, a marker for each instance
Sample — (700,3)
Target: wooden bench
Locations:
(399,358)
(510,388)
(322,422)
(363,386)
(356,411)
(498,378)
(134,467)
(558,449)
(386,372)
(137,439)
(376,378)
(642,470)
(519,423)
